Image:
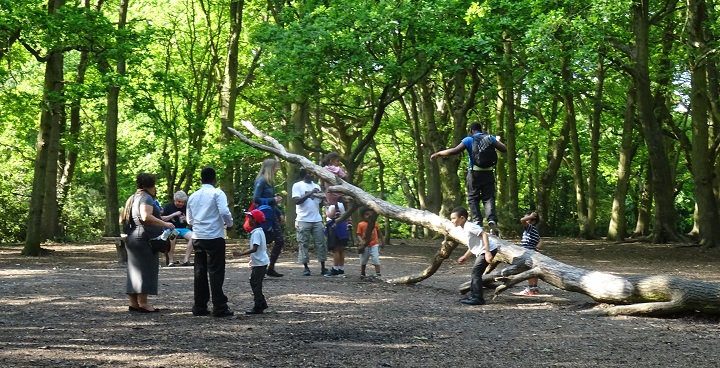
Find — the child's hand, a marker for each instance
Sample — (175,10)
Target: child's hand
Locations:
(488,257)
(461,259)
(236,253)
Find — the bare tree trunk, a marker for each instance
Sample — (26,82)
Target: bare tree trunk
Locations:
(662,184)
(595,124)
(617,230)
(569,103)
(112,215)
(508,135)
(228,99)
(52,109)
(702,161)
(554,159)
(644,205)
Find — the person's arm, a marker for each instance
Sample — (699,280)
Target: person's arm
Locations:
(147,217)
(500,146)
(464,256)
(222,205)
(526,219)
(381,239)
(304,197)
(253,249)
(450,151)
(488,254)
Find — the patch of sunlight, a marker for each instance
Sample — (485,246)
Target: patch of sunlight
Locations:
(33,300)
(326,298)
(5,274)
(122,355)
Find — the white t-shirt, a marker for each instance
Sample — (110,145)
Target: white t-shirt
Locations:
(330,208)
(308,211)
(260,257)
(472,233)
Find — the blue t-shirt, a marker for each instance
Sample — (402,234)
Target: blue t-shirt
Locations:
(468,141)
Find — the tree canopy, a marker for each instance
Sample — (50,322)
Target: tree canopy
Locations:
(609,110)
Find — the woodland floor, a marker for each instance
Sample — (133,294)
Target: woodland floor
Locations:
(68,309)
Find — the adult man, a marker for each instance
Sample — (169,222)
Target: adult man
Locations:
(209,215)
(176,214)
(308,221)
(479,182)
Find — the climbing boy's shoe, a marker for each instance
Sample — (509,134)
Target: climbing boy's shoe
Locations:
(472,301)
(306,272)
(530,291)
(493,228)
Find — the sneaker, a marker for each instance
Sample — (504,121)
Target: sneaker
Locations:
(306,272)
(472,301)
(273,273)
(530,291)
(377,274)
(493,228)
(325,272)
(334,272)
(172,264)
(186,264)
(225,313)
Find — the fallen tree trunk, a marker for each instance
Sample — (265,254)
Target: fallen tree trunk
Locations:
(632,295)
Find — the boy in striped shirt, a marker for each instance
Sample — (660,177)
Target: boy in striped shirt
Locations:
(531,241)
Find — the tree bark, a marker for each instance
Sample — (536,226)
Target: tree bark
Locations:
(569,103)
(595,124)
(662,183)
(228,99)
(649,295)
(52,109)
(702,160)
(617,229)
(112,216)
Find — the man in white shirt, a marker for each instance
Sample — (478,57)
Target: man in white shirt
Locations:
(209,215)
(479,245)
(308,223)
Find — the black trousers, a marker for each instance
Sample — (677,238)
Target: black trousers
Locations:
(256,284)
(209,265)
(480,187)
(476,284)
(277,244)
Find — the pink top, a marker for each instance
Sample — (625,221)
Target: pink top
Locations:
(333,198)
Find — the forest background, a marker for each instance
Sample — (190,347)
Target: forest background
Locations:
(609,109)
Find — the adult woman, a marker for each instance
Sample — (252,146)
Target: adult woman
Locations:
(264,190)
(142,271)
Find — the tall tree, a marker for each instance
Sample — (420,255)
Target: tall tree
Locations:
(662,184)
(702,159)
(45,171)
(112,227)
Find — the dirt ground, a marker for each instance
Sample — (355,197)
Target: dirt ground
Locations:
(69,309)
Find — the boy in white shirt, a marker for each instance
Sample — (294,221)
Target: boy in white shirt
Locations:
(259,260)
(476,242)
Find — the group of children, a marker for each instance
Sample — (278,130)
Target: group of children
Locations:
(480,245)
(337,233)
(338,236)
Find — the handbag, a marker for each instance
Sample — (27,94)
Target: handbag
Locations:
(159,245)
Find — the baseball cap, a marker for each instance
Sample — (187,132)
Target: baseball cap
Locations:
(257,215)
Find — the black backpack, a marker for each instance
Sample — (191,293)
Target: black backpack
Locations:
(483,151)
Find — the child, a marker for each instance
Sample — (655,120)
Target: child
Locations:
(477,239)
(258,260)
(338,234)
(531,241)
(369,245)
(331,162)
